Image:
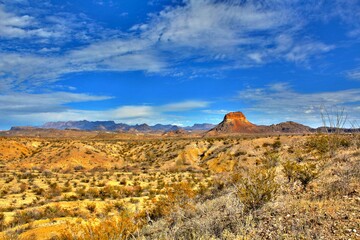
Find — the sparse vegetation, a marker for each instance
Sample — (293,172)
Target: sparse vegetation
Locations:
(257,188)
(201,188)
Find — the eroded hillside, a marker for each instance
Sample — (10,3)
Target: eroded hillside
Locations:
(66,155)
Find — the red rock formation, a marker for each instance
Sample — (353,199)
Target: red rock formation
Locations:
(235,122)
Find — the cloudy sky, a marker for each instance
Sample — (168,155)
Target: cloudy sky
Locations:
(178,62)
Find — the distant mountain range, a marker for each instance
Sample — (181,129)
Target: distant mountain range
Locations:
(233,122)
(122,127)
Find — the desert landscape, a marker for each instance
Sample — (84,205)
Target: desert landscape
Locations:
(179,120)
(235,181)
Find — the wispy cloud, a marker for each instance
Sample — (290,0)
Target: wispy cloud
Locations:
(23,103)
(14,26)
(245,32)
(39,108)
(112,55)
(231,33)
(354,74)
(279,101)
(184,106)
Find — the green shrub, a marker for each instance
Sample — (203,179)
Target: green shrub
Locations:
(303,172)
(319,143)
(328,144)
(276,145)
(270,159)
(258,188)
(290,170)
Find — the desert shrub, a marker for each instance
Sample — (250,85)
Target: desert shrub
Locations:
(92,193)
(79,168)
(319,143)
(257,188)
(180,193)
(53,191)
(210,219)
(157,209)
(119,206)
(25,216)
(306,173)
(240,153)
(23,186)
(119,227)
(28,216)
(2,221)
(67,187)
(91,207)
(47,173)
(176,196)
(328,144)
(276,145)
(55,211)
(81,192)
(110,192)
(123,181)
(303,172)
(270,159)
(10,235)
(290,170)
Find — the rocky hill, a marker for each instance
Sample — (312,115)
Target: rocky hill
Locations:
(289,127)
(236,122)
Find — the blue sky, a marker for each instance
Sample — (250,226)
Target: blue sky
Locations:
(178,62)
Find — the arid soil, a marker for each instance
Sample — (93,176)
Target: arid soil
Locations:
(193,187)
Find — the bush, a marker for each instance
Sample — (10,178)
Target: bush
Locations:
(270,159)
(303,172)
(2,221)
(276,145)
(290,170)
(176,196)
(28,216)
(120,227)
(91,207)
(53,191)
(306,173)
(319,143)
(328,144)
(257,188)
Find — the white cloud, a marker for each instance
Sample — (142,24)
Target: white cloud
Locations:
(216,112)
(39,108)
(22,26)
(235,33)
(183,106)
(112,55)
(354,74)
(247,32)
(301,52)
(281,102)
(12,25)
(24,103)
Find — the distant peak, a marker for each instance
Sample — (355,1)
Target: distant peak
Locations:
(235,122)
(239,116)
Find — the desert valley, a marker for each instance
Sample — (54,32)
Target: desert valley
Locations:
(235,180)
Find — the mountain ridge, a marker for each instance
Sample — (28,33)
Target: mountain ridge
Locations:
(120,127)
